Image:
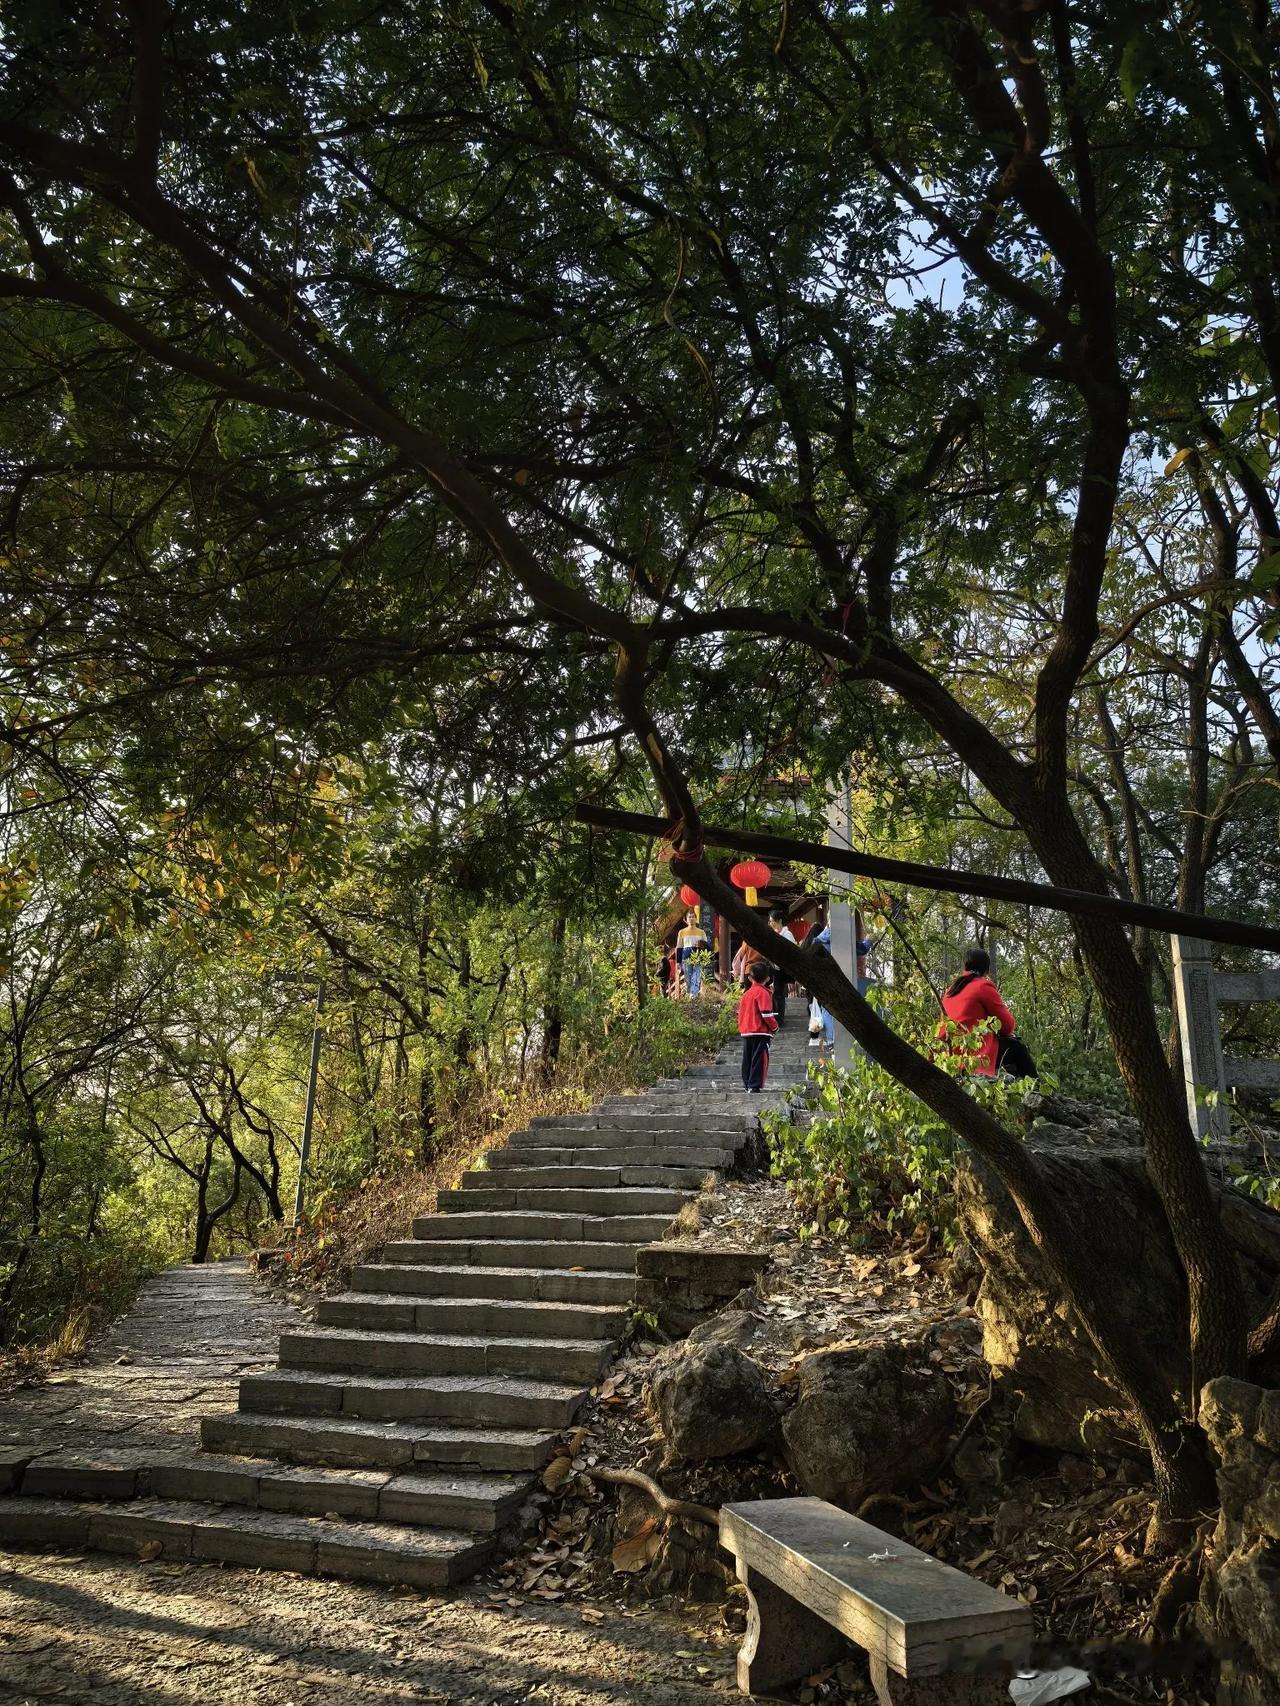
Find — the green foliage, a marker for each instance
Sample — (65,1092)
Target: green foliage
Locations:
(677,291)
(863,1157)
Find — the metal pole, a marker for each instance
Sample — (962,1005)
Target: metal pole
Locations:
(317,1038)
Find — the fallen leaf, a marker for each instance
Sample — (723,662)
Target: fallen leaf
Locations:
(591,1615)
(152,1549)
(638,1550)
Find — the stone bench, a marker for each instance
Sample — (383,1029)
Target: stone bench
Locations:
(817,1577)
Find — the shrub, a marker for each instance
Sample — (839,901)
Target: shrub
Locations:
(861,1155)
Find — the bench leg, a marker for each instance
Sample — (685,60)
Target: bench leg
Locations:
(955,1688)
(783,1641)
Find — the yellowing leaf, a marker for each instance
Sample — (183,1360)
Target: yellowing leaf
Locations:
(1175,462)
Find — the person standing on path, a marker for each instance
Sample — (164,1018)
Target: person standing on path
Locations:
(756,1024)
(691,940)
(779,925)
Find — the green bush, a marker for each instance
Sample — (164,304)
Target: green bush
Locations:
(865,1157)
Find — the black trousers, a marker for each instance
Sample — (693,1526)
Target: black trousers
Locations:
(780,996)
(755,1062)
(1014,1058)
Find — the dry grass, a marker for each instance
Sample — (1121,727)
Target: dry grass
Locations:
(385,1206)
(687,1223)
(28,1365)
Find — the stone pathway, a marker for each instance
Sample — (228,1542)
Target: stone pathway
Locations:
(399,1437)
(179,1353)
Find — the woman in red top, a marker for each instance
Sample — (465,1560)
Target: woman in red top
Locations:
(970,1001)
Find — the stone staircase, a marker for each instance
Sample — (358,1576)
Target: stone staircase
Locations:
(400,1435)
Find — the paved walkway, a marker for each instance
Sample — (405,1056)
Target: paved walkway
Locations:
(178,1354)
(116,1632)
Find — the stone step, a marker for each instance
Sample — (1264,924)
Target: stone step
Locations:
(730,1109)
(425,1499)
(552,1285)
(692,1157)
(514,1253)
(587,1149)
(357,1551)
(623,1200)
(565,1178)
(656,1123)
(714,1092)
(351,1350)
(380,1445)
(505,1225)
(477,1399)
(640,1148)
(508,1318)
(717,1100)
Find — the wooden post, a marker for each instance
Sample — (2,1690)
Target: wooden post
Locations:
(1196,1004)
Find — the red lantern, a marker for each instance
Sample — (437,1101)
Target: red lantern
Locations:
(689,896)
(751,874)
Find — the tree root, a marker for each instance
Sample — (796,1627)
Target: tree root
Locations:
(908,1507)
(1179,1586)
(665,1503)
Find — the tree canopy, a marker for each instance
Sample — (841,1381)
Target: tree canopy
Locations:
(549,400)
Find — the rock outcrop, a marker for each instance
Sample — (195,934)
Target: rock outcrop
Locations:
(681,1284)
(711,1401)
(867,1421)
(1031,1337)
(1240,1597)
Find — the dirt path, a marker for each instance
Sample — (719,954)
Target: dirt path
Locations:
(114,1633)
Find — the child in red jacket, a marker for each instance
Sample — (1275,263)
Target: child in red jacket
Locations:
(756,1024)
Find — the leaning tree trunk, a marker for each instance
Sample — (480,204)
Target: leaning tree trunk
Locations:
(1174,1162)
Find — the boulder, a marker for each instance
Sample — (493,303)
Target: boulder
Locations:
(867,1421)
(711,1401)
(1032,1339)
(1239,1609)
(739,1323)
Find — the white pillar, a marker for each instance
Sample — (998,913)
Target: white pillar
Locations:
(1196,1005)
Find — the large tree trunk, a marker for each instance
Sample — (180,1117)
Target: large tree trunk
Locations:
(1173,1158)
